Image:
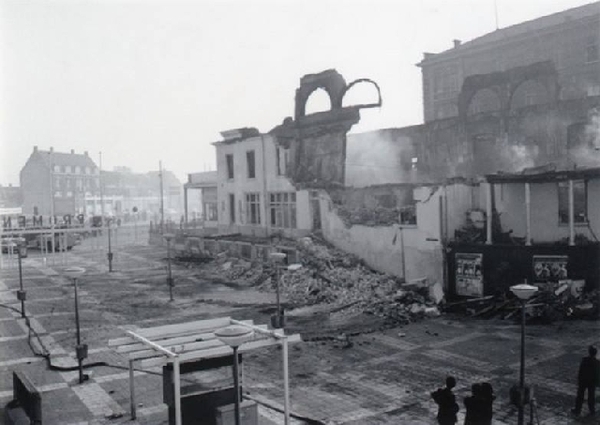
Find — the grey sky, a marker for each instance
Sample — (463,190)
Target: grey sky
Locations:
(144,81)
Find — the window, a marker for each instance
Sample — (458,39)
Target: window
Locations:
(77,169)
(229,159)
(408,215)
(231,208)
(591,51)
(445,82)
(251,164)
(67,168)
(253,208)
(88,170)
(281,157)
(57,168)
(210,211)
(579,202)
(282,208)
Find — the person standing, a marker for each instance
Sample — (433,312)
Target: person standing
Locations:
(588,379)
(487,392)
(446,401)
(474,406)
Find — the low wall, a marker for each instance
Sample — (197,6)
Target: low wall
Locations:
(405,252)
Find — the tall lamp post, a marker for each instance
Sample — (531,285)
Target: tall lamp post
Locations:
(278,258)
(234,336)
(81,350)
(21,294)
(523,292)
(110,253)
(168,237)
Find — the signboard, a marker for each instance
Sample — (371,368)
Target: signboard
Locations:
(469,276)
(550,268)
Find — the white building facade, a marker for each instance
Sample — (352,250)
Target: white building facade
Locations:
(254,195)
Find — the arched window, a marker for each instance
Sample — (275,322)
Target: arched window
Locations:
(528,93)
(318,101)
(485,100)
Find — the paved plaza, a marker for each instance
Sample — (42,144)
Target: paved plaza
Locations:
(380,377)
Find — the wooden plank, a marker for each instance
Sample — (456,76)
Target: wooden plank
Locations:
(182,328)
(218,351)
(128,348)
(177,349)
(129,344)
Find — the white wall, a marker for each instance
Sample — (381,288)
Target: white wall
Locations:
(404,251)
(266,181)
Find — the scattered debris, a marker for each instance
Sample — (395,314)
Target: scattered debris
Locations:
(554,301)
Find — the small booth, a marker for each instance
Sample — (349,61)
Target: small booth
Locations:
(200,347)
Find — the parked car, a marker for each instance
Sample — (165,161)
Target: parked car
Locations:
(11,245)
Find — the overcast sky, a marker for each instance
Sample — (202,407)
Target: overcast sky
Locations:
(143,81)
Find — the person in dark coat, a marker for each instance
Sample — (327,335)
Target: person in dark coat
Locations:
(475,406)
(446,401)
(588,379)
(487,393)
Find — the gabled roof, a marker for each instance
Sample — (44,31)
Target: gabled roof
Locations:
(52,158)
(532,26)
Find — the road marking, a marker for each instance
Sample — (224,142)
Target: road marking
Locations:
(20,361)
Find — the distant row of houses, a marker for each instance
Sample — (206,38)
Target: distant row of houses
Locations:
(58,183)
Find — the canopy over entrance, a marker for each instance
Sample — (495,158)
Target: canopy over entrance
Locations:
(195,341)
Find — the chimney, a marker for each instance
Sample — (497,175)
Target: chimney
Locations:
(456,43)
(86,153)
(72,151)
(35,149)
(51,149)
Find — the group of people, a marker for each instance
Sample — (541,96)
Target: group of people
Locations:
(478,405)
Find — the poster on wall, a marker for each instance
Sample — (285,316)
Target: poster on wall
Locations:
(550,268)
(469,276)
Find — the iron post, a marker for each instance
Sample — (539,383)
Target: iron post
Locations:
(21,294)
(110,254)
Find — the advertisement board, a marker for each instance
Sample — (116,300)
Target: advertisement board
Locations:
(550,268)
(469,276)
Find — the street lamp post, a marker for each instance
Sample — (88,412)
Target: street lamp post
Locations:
(81,350)
(234,336)
(278,258)
(21,294)
(168,237)
(523,292)
(110,253)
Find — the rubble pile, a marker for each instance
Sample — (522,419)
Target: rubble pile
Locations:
(341,280)
(554,301)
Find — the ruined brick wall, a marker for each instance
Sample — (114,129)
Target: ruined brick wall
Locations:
(317,142)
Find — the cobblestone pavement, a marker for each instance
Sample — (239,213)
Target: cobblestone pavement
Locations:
(384,377)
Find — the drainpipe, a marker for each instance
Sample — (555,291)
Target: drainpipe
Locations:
(444,235)
(264,188)
(571,214)
(488,216)
(528,212)
(185,205)
(403,253)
